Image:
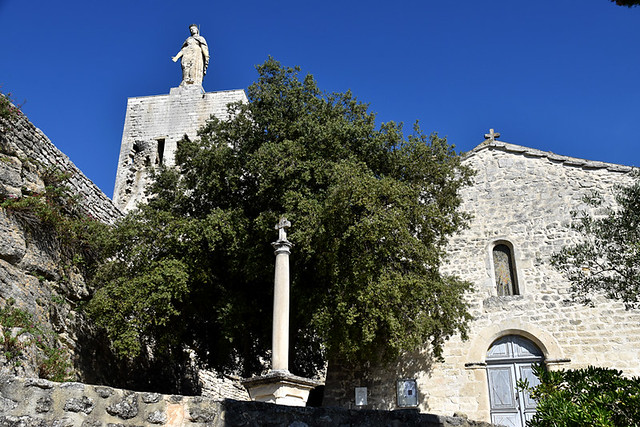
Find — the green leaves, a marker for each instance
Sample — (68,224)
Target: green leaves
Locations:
(607,260)
(591,396)
(370,213)
(135,307)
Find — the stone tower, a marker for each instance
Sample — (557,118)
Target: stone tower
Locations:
(154,125)
(152,128)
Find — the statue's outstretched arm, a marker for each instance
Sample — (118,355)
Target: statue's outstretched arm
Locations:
(178,56)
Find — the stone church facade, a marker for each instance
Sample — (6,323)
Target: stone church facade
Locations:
(521,202)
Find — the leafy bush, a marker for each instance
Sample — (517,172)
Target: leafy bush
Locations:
(53,363)
(58,212)
(8,107)
(585,397)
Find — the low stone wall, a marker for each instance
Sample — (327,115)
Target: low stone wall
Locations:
(218,387)
(36,402)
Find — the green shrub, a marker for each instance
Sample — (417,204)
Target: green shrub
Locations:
(8,108)
(53,363)
(585,397)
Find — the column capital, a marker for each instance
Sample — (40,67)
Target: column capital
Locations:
(282,247)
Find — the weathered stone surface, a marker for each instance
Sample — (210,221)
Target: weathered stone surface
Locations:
(150,397)
(44,403)
(12,244)
(175,398)
(127,408)
(23,421)
(7,404)
(152,128)
(42,257)
(191,411)
(39,382)
(104,392)
(157,417)
(10,176)
(83,404)
(26,153)
(219,387)
(198,414)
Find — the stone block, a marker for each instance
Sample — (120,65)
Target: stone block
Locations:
(12,242)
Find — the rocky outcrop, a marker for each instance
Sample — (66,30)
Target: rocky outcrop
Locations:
(40,288)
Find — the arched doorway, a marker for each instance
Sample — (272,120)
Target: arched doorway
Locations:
(509,359)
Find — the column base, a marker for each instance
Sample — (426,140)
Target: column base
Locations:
(281,388)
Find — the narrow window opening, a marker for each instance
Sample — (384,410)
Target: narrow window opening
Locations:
(504,270)
(160,154)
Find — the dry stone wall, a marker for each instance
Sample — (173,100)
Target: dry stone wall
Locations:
(215,386)
(32,402)
(524,197)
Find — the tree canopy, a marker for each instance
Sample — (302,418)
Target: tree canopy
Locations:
(607,260)
(627,3)
(371,211)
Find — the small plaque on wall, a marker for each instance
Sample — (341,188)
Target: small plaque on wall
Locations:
(361,396)
(407,393)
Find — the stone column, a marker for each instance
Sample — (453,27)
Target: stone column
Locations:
(279,386)
(280,337)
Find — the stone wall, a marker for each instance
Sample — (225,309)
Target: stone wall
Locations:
(34,275)
(26,152)
(33,402)
(524,197)
(218,387)
(152,129)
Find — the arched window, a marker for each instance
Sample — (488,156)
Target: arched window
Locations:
(509,360)
(504,270)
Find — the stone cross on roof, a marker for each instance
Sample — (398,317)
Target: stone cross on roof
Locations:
(491,136)
(281,226)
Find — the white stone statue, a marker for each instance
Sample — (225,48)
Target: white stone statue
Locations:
(195,57)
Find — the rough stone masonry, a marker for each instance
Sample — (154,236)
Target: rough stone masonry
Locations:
(36,402)
(153,127)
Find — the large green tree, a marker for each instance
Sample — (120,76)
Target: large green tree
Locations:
(371,211)
(607,259)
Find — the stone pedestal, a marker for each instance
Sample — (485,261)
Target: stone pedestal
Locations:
(187,90)
(281,388)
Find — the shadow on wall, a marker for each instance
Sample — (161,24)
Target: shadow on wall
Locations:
(380,381)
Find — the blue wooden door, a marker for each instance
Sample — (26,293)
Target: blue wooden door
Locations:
(509,360)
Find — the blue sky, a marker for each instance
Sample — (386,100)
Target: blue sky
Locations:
(560,75)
